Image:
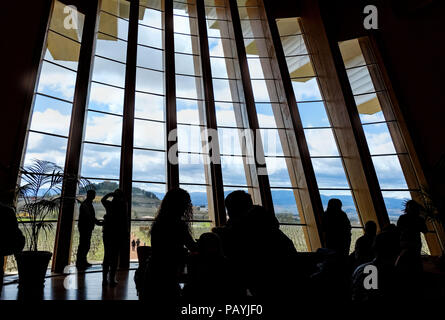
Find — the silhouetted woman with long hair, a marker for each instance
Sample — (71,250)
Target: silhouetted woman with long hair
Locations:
(170,235)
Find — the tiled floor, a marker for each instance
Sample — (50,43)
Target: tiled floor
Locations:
(79,286)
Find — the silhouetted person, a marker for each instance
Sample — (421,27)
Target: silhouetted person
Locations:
(410,225)
(202,266)
(386,246)
(267,256)
(87,221)
(238,203)
(12,240)
(138,243)
(170,234)
(363,246)
(133,245)
(337,228)
(115,233)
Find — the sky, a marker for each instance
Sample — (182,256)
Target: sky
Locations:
(53,116)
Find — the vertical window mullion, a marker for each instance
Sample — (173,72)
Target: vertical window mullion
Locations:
(263,179)
(170,96)
(215,168)
(72,162)
(126,167)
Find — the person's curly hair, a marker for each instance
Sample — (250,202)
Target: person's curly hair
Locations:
(175,207)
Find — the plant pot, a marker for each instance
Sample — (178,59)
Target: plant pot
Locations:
(32,267)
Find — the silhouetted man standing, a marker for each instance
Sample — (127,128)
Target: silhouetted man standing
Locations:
(87,221)
(115,232)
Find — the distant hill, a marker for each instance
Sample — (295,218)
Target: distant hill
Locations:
(105,187)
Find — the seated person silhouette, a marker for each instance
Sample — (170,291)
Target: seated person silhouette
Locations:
(386,250)
(203,266)
(12,240)
(267,256)
(238,203)
(170,233)
(337,228)
(363,246)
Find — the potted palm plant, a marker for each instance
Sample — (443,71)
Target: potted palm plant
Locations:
(39,199)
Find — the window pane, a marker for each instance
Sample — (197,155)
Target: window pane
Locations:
(187,64)
(189,87)
(186,44)
(306,89)
(109,72)
(100,161)
(185,25)
(389,172)
(56,81)
(106,98)
(222,48)
(191,168)
(152,18)
(226,90)
(223,68)
(313,114)
(98,128)
(149,165)
(218,28)
(68,57)
(330,173)
(146,199)
(187,111)
(321,142)
(225,114)
(293,45)
(51,115)
(150,58)
(395,203)
(379,139)
(110,25)
(149,134)
(150,37)
(189,138)
(285,206)
(361,81)
(112,48)
(149,81)
(278,172)
(45,147)
(149,106)
(233,171)
(271,142)
(230,141)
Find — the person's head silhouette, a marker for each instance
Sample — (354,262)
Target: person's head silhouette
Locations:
(370,228)
(91,194)
(412,208)
(209,244)
(334,205)
(175,206)
(238,203)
